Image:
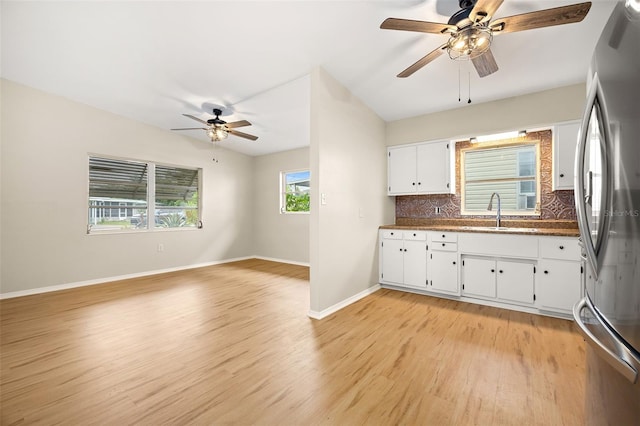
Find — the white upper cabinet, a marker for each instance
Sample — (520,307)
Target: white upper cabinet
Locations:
(565,139)
(419,169)
(401,170)
(434,168)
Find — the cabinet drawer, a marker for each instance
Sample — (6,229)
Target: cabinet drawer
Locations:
(445,237)
(391,234)
(440,246)
(560,248)
(415,235)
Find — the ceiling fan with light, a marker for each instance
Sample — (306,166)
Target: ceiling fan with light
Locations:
(218,129)
(471,30)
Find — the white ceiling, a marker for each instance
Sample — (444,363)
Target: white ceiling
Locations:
(153,61)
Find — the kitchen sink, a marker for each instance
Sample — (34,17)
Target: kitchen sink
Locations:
(498,229)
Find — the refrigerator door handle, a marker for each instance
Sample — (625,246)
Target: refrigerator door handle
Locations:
(613,359)
(589,188)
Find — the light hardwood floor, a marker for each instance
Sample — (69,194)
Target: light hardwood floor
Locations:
(231,344)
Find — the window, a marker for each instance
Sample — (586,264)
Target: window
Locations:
(509,170)
(124,193)
(176,197)
(294,191)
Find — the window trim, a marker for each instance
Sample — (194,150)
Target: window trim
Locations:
(536,212)
(282,190)
(150,198)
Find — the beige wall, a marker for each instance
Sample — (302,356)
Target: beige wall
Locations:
(521,112)
(276,235)
(45,143)
(348,165)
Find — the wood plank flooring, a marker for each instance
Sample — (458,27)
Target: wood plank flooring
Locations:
(231,345)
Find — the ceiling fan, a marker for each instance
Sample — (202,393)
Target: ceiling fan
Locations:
(471,30)
(218,129)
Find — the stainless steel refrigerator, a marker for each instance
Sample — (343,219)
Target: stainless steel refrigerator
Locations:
(608,206)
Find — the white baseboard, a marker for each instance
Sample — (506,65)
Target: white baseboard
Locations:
(115,278)
(335,308)
(273,259)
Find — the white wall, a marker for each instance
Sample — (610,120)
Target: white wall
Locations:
(348,165)
(276,235)
(45,143)
(521,112)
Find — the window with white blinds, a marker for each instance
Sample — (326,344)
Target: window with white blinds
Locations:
(123,194)
(510,171)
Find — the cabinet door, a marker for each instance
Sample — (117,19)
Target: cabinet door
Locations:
(401,170)
(392,261)
(565,141)
(479,277)
(415,263)
(433,172)
(442,268)
(558,284)
(514,281)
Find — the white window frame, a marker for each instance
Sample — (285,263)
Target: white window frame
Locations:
(283,190)
(150,198)
(504,212)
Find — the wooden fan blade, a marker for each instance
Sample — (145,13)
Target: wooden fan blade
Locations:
(191,128)
(195,118)
(484,10)
(417,26)
(485,64)
(242,135)
(542,18)
(422,62)
(235,124)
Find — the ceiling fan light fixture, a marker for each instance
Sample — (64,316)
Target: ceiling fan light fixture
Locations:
(468,42)
(217,133)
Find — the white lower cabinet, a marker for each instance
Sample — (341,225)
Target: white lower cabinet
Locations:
(515,281)
(442,271)
(442,263)
(415,263)
(558,285)
(560,280)
(478,277)
(523,272)
(403,258)
(489,278)
(392,261)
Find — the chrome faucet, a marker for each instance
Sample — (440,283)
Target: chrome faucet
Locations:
(491,205)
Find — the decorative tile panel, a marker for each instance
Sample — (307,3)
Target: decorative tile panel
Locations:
(553,204)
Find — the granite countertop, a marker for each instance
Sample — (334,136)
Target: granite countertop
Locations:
(563,228)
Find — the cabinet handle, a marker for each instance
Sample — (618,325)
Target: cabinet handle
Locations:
(400,249)
(442,235)
(493,270)
(546,272)
(392,233)
(454,262)
(405,249)
(561,247)
(414,235)
(500,271)
(444,244)
(419,183)
(561,174)
(413,183)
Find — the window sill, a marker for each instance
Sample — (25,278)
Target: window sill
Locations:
(143,231)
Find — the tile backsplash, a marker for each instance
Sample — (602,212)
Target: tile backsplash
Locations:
(553,204)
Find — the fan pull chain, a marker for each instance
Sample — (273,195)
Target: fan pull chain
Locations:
(458,81)
(469,101)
